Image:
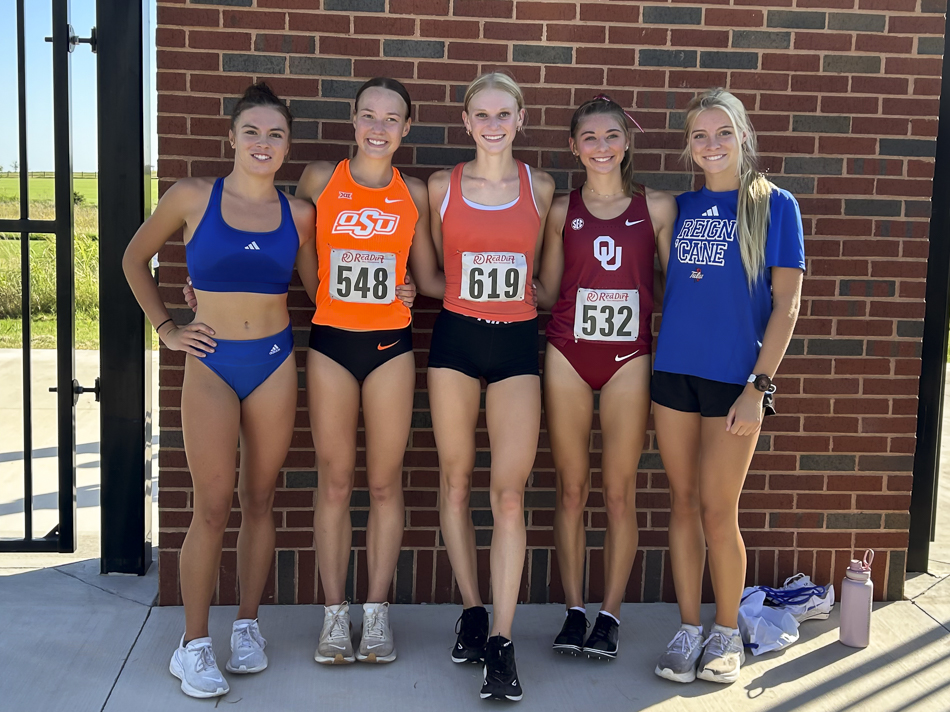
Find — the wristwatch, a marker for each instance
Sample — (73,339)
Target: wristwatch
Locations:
(761,382)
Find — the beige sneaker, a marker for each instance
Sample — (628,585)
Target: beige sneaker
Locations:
(335,646)
(377,644)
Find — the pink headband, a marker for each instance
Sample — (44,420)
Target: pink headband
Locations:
(604,97)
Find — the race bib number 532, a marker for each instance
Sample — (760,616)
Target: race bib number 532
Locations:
(362,276)
(607,315)
(493,276)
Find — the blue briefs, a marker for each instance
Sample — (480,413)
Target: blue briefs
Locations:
(244,365)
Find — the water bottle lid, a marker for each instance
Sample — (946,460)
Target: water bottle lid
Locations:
(860,569)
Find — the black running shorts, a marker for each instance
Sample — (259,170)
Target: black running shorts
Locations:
(360,352)
(483,349)
(692,394)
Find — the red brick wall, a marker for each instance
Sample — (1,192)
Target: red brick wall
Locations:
(844,94)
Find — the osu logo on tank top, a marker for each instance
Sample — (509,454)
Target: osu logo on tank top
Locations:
(365,223)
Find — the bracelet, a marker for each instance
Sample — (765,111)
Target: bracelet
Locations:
(163,324)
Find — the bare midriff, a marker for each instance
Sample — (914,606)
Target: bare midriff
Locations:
(241,316)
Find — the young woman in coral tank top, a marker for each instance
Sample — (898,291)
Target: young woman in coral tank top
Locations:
(487,219)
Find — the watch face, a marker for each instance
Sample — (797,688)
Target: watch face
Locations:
(762,383)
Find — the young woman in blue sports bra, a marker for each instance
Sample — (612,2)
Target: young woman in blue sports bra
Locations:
(242,238)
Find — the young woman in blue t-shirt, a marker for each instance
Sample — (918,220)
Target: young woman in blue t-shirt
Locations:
(733,288)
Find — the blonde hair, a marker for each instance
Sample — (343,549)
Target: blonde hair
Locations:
(494,80)
(752,212)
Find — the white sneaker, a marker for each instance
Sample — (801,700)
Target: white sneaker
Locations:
(678,662)
(247,648)
(723,656)
(335,646)
(195,666)
(377,645)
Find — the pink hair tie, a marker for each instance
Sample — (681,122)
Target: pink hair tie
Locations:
(604,97)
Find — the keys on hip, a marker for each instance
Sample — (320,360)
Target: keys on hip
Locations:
(607,315)
(363,277)
(493,276)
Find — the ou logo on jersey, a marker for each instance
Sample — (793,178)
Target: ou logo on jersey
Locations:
(365,223)
(606,251)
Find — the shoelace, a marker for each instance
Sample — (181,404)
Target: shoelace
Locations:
(206,659)
(682,643)
(718,644)
(245,639)
(791,597)
(338,627)
(374,626)
(497,663)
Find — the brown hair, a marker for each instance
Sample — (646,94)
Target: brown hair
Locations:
(260,95)
(385,83)
(606,105)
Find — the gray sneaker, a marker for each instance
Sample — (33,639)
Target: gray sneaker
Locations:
(723,656)
(377,644)
(194,664)
(679,661)
(247,648)
(335,647)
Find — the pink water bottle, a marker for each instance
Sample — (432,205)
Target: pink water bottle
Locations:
(857,592)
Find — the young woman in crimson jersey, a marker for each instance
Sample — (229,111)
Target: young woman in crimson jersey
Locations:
(597,277)
(733,288)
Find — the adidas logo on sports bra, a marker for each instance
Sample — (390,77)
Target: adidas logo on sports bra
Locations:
(713,212)
(274,350)
(252,246)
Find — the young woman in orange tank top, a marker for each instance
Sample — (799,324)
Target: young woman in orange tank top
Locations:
(487,218)
(372,223)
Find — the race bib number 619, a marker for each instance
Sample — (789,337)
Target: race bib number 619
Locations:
(493,276)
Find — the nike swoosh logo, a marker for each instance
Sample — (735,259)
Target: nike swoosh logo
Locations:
(635,222)
(380,347)
(338,647)
(378,645)
(397,200)
(245,657)
(624,358)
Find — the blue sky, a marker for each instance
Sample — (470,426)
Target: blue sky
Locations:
(39,86)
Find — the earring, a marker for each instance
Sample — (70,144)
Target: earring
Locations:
(468,131)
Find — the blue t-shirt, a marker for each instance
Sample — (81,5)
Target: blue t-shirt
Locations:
(713,323)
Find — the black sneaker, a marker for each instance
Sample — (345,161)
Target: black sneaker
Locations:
(472,628)
(604,639)
(501,675)
(571,638)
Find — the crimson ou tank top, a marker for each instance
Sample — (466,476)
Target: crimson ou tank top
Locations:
(606,291)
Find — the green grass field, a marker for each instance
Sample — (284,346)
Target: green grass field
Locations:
(41,189)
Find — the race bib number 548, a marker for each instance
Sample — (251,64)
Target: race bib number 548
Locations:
(607,315)
(362,276)
(493,276)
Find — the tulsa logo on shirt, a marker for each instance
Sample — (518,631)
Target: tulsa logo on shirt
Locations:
(704,240)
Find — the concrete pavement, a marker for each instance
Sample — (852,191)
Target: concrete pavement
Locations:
(71,639)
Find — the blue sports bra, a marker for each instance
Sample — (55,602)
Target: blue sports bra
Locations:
(221,258)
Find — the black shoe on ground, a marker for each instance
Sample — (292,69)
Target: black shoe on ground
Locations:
(501,675)
(472,629)
(571,638)
(604,639)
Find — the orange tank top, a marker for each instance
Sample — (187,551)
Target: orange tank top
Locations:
(363,240)
(489,252)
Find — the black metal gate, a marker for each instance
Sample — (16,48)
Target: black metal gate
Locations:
(63,536)
(923,503)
